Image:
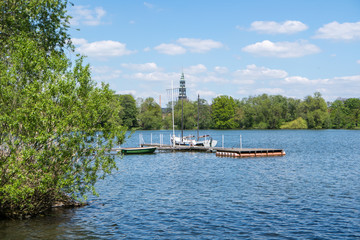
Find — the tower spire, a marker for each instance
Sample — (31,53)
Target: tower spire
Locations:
(182,89)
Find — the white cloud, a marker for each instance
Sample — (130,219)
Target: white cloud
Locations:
(148,5)
(201,76)
(297,79)
(344,86)
(170,49)
(145,67)
(211,78)
(196,69)
(101,69)
(188,44)
(339,31)
(85,15)
(199,45)
(105,73)
(354,78)
(358,61)
(79,41)
(101,49)
(242,91)
(154,76)
(271,27)
(271,91)
(243,81)
(221,70)
(107,77)
(304,80)
(131,92)
(206,93)
(282,49)
(253,72)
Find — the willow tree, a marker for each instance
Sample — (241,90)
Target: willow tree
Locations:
(54,119)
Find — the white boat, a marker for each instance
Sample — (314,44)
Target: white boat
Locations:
(203,141)
(207,142)
(189,140)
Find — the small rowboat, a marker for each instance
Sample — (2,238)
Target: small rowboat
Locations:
(138,150)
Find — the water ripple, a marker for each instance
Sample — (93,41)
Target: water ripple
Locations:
(311,193)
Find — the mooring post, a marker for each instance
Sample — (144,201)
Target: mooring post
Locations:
(223,141)
(240,142)
(151,138)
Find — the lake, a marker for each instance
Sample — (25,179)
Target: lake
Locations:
(311,193)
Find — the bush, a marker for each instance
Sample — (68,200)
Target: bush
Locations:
(298,123)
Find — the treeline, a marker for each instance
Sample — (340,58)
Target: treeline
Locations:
(255,112)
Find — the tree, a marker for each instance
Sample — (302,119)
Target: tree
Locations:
(353,106)
(262,111)
(292,109)
(189,114)
(314,111)
(150,114)
(204,114)
(54,120)
(223,112)
(245,113)
(338,114)
(45,22)
(128,113)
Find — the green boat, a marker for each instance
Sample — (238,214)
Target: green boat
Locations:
(138,150)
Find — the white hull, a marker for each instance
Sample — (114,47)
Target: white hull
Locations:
(191,142)
(207,143)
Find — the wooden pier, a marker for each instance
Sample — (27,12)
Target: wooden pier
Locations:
(222,152)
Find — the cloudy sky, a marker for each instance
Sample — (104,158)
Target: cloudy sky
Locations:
(224,47)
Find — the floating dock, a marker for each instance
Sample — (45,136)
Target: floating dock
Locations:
(222,152)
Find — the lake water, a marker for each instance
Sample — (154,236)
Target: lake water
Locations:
(311,193)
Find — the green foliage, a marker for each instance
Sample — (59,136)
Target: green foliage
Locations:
(353,112)
(150,114)
(265,112)
(262,112)
(189,114)
(204,114)
(45,22)
(223,113)
(54,132)
(345,113)
(128,113)
(55,127)
(298,123)
(338,114)
(314,111)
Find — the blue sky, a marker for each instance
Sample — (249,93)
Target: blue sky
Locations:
(229,47)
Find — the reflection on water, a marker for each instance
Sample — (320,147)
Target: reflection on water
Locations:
(311,193)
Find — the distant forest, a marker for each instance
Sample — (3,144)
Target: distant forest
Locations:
(254,112)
